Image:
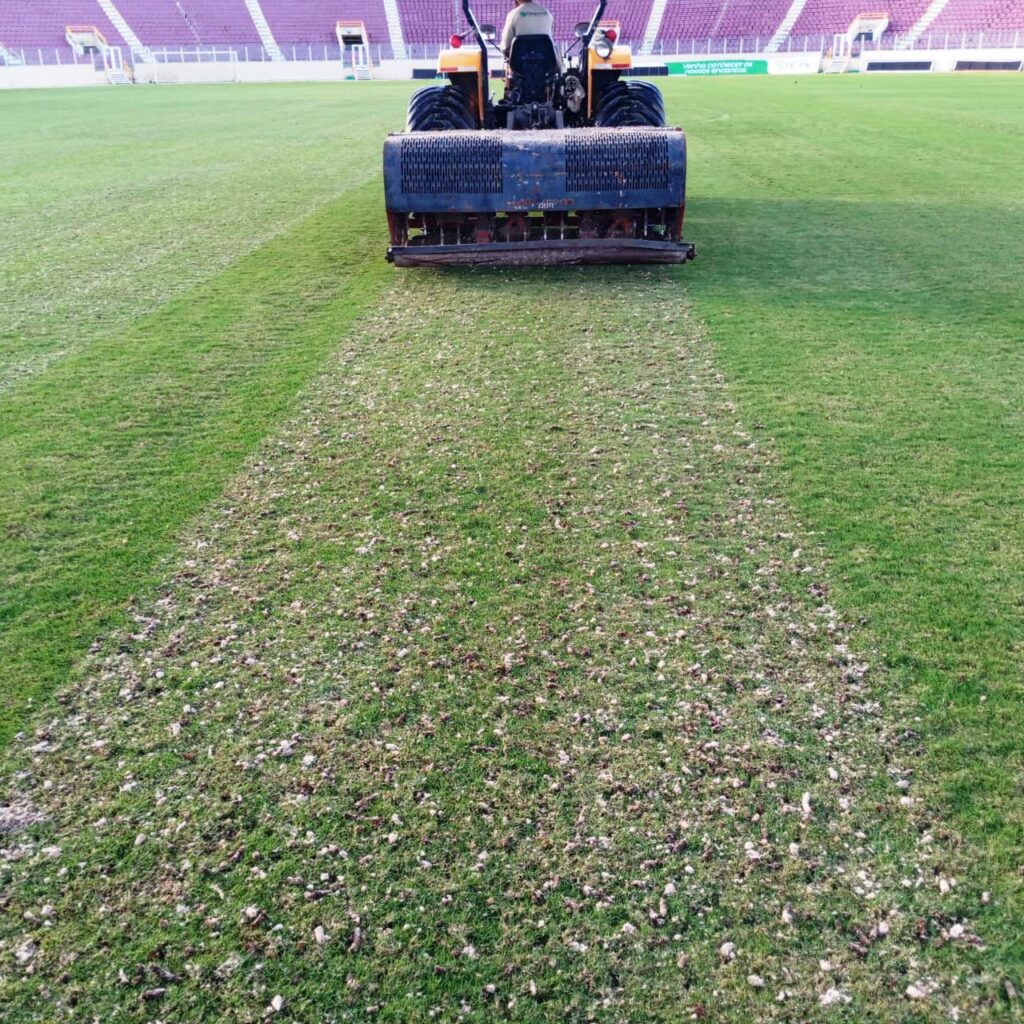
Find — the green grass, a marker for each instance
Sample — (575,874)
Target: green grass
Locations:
(484,548)
(862,280)
(495,665)
(164,298)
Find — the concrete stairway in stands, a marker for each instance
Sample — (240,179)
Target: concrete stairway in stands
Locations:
(794,12)
(653,26)
(935,8)
(266,36)
(139,52)
(395,29)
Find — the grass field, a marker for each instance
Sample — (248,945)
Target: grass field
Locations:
(608,645)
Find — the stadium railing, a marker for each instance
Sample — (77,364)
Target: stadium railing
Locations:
(52,56)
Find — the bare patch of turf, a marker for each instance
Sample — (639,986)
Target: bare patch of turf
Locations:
(500,686)
(18,816)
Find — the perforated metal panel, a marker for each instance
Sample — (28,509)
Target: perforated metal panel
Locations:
(452,162)
(503,171)
(616,160)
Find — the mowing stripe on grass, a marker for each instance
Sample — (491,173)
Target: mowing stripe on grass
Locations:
(96,235)
(860,273)
(106,454)
(497,686)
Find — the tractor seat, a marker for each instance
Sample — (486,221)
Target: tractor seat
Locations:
(533,62)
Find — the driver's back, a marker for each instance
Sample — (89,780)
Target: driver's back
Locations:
(527,19)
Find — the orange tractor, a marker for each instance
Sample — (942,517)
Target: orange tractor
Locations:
(573,164)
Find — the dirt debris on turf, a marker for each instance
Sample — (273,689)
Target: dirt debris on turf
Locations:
(18,816)
(500,685)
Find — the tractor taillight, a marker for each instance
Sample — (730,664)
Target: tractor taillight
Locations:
(456,41)
(611,34)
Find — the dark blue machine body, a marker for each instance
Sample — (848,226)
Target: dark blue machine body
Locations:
(559,170)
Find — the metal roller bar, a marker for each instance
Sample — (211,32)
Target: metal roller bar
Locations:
(548,253)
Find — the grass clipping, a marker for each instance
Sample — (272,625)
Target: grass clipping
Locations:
(498,686)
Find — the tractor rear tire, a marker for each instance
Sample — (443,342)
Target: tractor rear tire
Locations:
(439,108)
(652,94)
(630,104)
(624,104)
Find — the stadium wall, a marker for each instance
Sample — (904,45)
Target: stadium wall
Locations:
(49,77)
(223,71)
(43,76)
(728,65)
(904,61)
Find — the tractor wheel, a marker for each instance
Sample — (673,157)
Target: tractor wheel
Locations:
(625,104)
(439,108)
(652,94)
(624,93)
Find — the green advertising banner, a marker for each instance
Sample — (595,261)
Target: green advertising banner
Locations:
(717,67)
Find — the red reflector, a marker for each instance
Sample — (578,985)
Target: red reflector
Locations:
(611,34)
(626,65)
(456,41)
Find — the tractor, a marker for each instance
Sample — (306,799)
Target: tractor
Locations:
(572,164)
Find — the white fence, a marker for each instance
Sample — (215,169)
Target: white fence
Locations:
(246,54)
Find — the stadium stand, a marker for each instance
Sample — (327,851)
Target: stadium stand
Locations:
(32,24)
(980,15)
(313,21)
(631,14)
(189,22)
(37,25)
(423,20)
(827,17)
(751,19)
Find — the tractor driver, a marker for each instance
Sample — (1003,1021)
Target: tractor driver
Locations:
(528,19)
